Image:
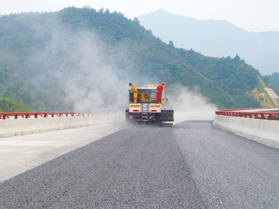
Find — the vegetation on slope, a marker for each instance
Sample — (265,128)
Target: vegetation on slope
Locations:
(43,55)
(8,105)
(216,38)
(261,95)
(273,81)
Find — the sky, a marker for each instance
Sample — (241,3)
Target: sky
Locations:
(250,15)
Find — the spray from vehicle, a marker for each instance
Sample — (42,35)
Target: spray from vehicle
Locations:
(85,69)
(88,72)
(189,104)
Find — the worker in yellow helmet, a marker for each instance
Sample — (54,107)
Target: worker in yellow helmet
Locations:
(135,91)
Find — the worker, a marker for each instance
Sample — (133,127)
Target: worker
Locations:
(134,91)
(160,88)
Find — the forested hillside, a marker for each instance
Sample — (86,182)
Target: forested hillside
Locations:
(8,105)
(83,59)
(216,38)
(273,81)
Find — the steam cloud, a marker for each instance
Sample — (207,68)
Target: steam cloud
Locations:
(183,99)
(86,69)
(92,81)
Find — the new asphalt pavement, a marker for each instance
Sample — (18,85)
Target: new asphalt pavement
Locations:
(192,165)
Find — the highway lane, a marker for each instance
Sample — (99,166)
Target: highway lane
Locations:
(229,171)
(137,167)
(192,165)
(21,153)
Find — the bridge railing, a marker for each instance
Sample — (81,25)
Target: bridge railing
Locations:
(263,115)
(26,115)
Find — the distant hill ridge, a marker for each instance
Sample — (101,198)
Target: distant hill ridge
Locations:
(216,38)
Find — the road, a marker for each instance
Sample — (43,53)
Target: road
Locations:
(21,153)
(192,165)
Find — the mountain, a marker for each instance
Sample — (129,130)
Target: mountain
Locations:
(81,59)
(273,81)
(216,38)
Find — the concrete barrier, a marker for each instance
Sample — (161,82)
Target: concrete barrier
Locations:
(15,127)
(262,131)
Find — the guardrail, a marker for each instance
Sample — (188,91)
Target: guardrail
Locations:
(263,115)
(27,115)
(260,125)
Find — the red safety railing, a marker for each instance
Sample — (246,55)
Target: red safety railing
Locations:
(27,115)
(263,115)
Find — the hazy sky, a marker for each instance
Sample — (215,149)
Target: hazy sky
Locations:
(250,15)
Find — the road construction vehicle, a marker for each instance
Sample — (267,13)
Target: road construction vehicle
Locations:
(149,105)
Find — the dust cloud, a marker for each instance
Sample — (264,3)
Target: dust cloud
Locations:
(189,104)
(85,69)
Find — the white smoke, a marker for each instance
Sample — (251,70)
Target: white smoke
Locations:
(189,104)
(86,69)
(181,98)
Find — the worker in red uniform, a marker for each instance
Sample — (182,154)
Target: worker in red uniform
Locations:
(135,91)
(159,92)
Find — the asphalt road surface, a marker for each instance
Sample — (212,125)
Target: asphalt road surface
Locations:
(192,165)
